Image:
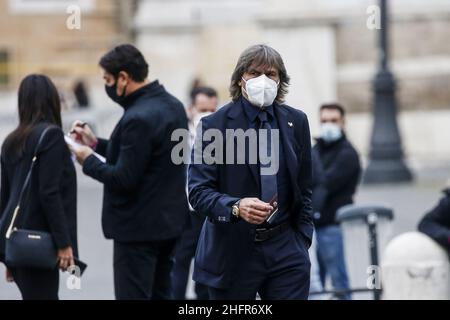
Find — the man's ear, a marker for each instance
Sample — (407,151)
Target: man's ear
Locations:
(123,77)
(123,80)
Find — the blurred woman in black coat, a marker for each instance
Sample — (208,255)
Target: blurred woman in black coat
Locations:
(50,203)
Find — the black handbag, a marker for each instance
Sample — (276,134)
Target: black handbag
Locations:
(28,248)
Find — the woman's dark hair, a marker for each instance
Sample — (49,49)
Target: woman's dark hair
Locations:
(256,56)
(125,58)
(38,102)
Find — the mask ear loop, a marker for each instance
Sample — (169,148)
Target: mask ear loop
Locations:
(123,95)
(124,92)
(244,88)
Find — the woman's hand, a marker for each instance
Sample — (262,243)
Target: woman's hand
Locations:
(9,276)
(65,258)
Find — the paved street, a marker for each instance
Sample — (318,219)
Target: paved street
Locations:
(409,202)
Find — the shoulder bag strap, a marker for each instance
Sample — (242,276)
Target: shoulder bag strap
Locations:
(26,183)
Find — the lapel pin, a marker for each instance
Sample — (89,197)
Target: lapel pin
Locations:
(290,124)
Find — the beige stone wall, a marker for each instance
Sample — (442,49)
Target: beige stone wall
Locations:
(42,43)
(218,58)
(420,58)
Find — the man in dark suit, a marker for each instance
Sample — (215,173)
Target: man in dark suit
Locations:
(144,205)
(244,249)
(436,223)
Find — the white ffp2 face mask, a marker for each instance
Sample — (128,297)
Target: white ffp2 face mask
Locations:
(261,91)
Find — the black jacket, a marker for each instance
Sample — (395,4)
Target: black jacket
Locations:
(51,203)
(320,192)
(144,191)
(340,177)
(436,223)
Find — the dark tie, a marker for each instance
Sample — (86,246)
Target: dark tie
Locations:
(268,181)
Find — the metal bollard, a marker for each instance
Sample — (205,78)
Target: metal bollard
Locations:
(369,216)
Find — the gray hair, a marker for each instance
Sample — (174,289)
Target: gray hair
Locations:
(259,55)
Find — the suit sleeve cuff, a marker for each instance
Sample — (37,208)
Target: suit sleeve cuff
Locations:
(101,146)
(89,164)
(62,241)
(225,213)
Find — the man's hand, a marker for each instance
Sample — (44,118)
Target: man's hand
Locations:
(9,276)
(65,258)
(81,153)
(254,211)
(83,134)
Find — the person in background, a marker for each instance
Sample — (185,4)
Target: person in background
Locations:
(51,203)
(341,174)
(81,95)
(436,223)
(204,102)
(144,205)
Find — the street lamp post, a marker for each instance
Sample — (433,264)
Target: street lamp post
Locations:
(386,163)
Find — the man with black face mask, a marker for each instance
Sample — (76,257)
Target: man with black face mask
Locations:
(144,205)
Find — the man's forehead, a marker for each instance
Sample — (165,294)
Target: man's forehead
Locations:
(330,113)
(203,97)
(262,67)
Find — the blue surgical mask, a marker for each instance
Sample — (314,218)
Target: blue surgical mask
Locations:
(330,132)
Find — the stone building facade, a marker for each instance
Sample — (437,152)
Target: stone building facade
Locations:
(35,37)
(328,49)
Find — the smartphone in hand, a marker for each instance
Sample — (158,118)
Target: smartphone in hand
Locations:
(274,203)
(80,264)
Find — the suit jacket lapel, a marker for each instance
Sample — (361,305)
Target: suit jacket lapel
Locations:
(286,126)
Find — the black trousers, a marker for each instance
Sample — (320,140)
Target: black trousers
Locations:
(184,253)
(142,270)
(276,269)
(36,284)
